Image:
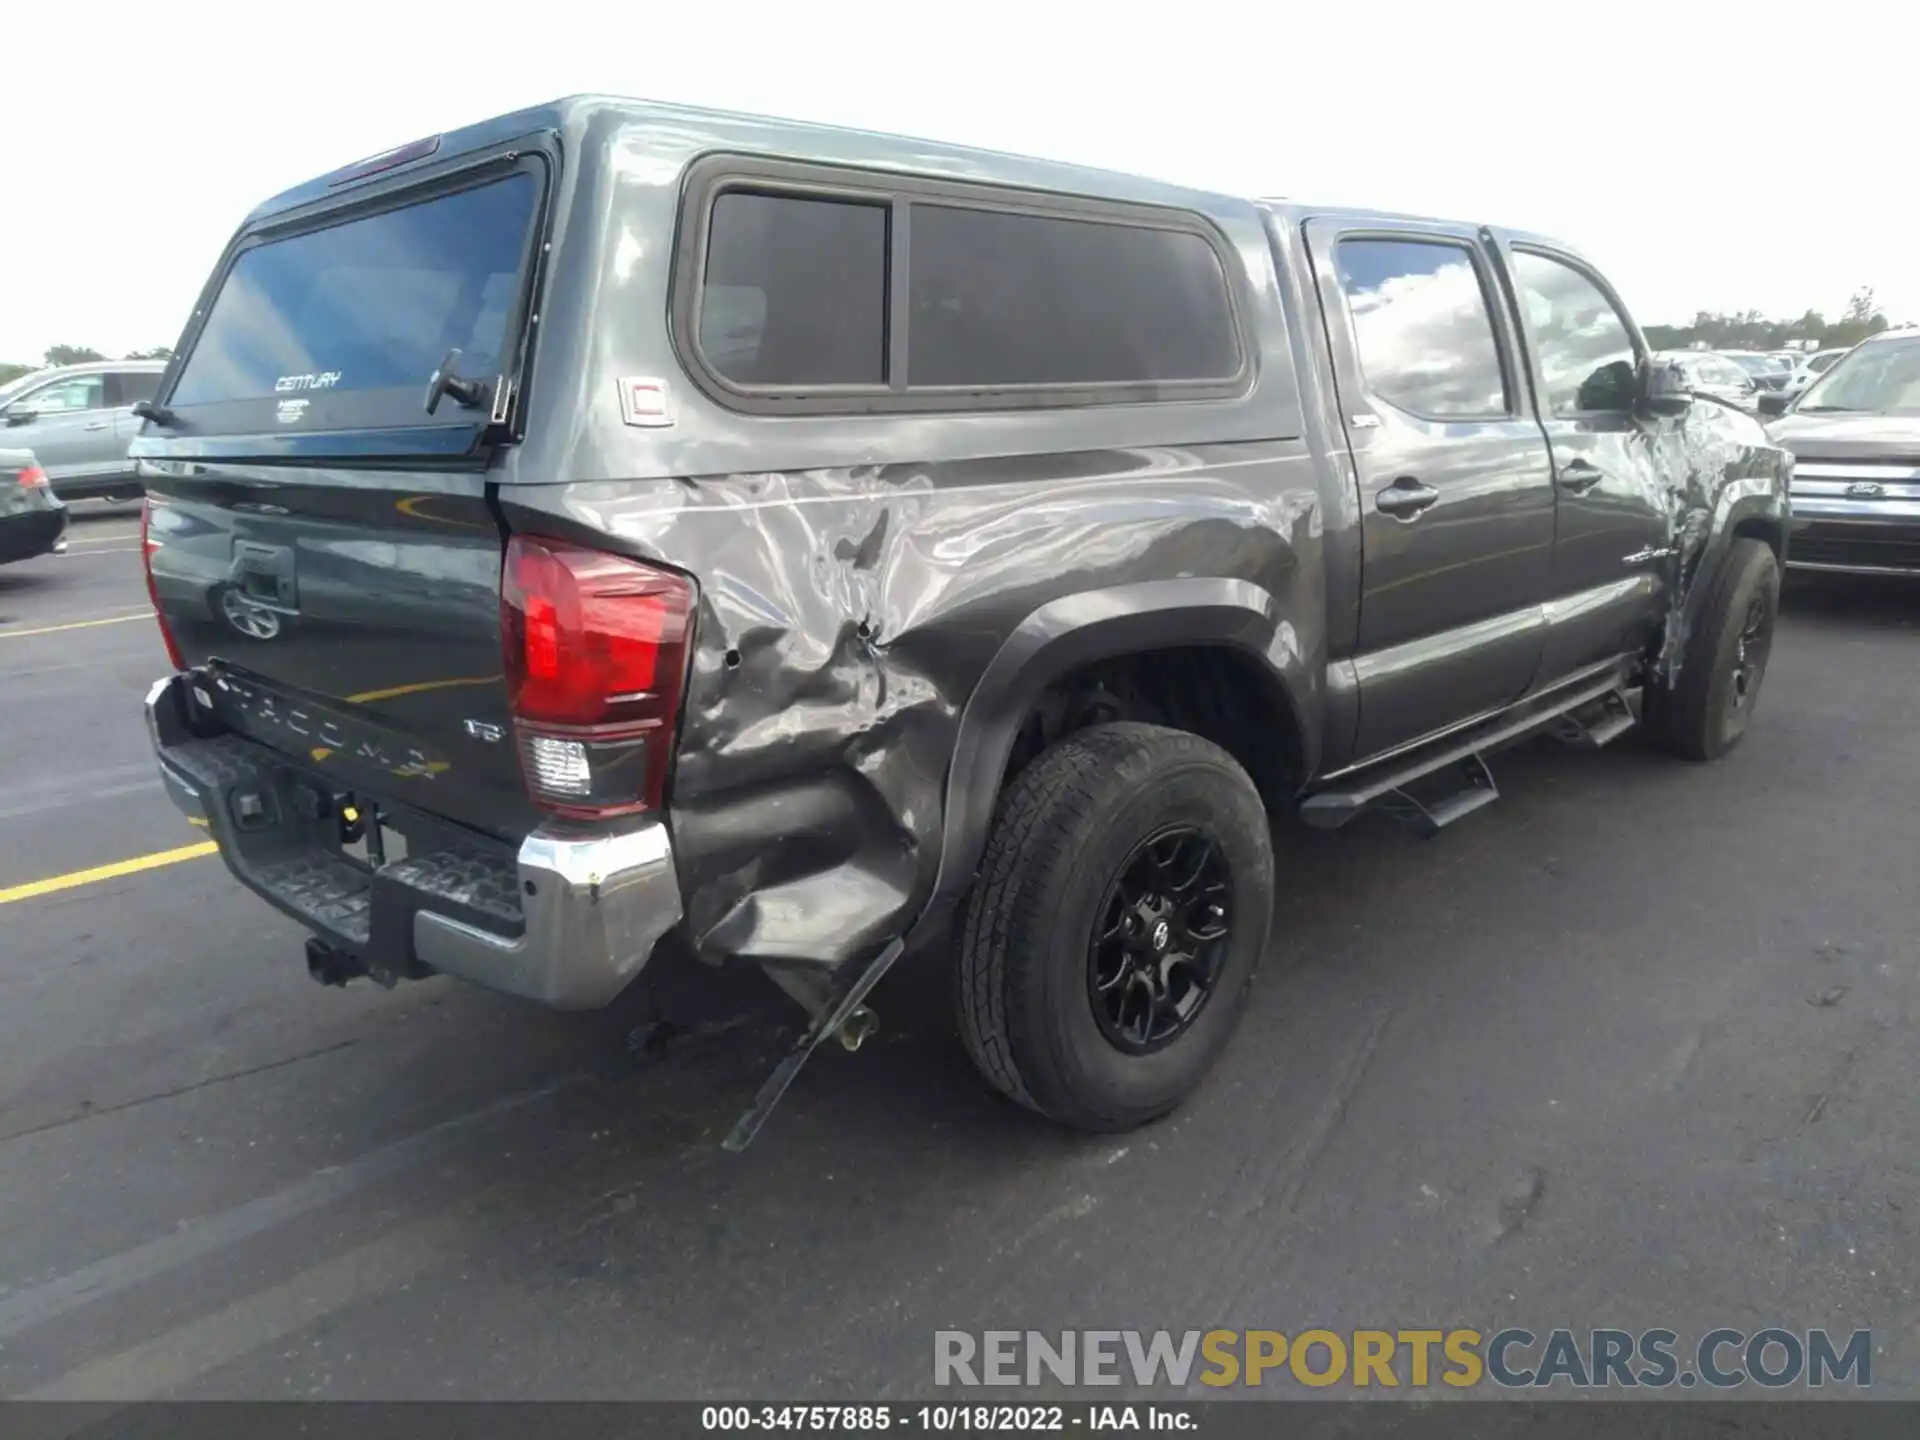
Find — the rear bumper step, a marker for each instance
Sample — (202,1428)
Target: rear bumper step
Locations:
(568,920)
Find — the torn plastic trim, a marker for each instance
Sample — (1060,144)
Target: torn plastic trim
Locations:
(847,1011)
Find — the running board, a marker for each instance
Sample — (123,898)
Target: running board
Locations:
(1474,790)
(1391,787)
(1590,727)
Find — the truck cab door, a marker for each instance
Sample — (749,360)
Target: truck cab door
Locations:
(1455,487)
(1616,471)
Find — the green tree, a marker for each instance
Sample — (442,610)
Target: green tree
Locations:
(1750,330)
(71,355)
(158,352)
(10,372)
(1861,320)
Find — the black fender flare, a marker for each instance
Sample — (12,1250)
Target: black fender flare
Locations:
(1077,630)
(1754,503)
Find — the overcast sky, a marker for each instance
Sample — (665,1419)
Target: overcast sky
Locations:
(1708,156)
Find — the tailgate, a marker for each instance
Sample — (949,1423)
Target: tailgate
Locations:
(321,540)
(353,625)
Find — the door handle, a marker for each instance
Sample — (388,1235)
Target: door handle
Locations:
(1405,498)
(98,425)
(1577,477)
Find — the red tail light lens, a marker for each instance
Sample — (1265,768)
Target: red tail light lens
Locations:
(596,660)
(33,478)
(147,546)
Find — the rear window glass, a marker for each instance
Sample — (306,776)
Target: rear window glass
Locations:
(796,291)
(370,304)
(999,298)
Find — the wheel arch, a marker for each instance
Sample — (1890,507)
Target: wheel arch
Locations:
(1750,507)
(1079,631)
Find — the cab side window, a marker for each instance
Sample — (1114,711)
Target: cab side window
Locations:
(1585,349)
(1422,326)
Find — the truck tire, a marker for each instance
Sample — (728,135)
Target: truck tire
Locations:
(1121,909)
(1705,712)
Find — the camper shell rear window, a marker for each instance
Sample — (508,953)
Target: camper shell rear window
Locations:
(340,323)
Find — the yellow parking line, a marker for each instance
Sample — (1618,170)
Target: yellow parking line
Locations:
(107,872)
(75,625)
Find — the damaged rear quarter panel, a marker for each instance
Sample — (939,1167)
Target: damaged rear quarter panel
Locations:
(847,617)
(859,575)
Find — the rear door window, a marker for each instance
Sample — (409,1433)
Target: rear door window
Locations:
(1423,327)
(371,303)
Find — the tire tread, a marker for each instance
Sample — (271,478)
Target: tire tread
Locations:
(1680,716)
(1046,814)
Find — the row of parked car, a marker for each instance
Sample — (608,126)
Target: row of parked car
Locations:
(1759,382)
(64,435)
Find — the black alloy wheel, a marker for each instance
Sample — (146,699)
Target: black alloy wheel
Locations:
(1160,939)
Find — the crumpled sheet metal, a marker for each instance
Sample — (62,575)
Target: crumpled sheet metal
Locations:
(845,617)
(1727,468)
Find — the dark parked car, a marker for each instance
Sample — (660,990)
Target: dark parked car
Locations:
(802,548)
(1769,372)
(1855,434)
(79,420)
(32,519)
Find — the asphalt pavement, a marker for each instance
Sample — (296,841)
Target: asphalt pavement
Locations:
(1633,1047)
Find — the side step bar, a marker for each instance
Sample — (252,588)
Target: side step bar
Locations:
(1610,717)
(1589,715)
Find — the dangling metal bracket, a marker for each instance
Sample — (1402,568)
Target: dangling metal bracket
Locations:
(846,1017)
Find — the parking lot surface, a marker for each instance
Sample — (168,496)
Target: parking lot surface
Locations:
(1632,1048)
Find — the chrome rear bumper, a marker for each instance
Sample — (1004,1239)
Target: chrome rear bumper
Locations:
(568,920)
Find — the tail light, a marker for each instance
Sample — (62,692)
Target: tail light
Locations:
(33,478)
(596,661)
(147,546)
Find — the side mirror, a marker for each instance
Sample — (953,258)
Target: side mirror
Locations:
(1774,402)
(21,416)
(1664,389)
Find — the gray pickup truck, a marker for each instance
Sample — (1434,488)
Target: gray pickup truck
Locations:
(616,526)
